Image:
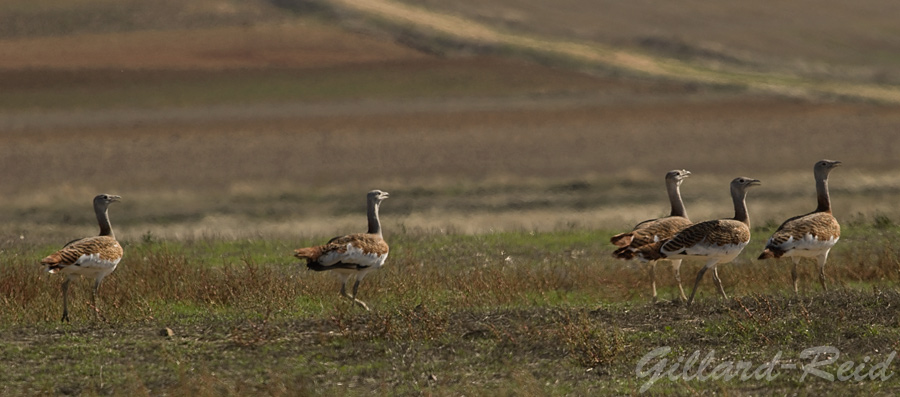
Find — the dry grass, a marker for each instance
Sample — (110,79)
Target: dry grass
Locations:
(545,312)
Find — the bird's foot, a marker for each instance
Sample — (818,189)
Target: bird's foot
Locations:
(99,314)
(361,303)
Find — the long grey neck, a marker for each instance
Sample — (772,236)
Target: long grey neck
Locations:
(674,190)
(822,195)
(374,222)
(739,197)
(103,219)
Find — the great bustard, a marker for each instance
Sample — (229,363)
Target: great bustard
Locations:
(93,257)
(720,240)
(811,235)
(654,230)
(353,254)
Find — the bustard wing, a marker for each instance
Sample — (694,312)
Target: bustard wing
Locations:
(353,251)
(817,230)
(658,229)
(649,232)
(90,252)
(702,236)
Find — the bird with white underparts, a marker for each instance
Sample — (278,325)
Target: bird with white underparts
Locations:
(719,240)
(655,230)
(92,257)
(811,235)
(353,255)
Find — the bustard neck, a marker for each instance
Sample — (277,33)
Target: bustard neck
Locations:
(739,197)
(374,222)
(822,195)
(103,219)
(674,189)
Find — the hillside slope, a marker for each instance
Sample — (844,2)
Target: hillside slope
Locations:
(791,77)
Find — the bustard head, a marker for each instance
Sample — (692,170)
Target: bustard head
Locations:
(742,183)
(677,175)
(103,200)
(377,196)
(823,167)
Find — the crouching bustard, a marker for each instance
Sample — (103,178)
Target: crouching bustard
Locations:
(719,240)
(811,235)
(93,257)
(654,230)
(353,254)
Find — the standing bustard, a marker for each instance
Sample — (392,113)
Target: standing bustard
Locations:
(353,254)
(651,231)
(811,235)
(719,240)
(94,257)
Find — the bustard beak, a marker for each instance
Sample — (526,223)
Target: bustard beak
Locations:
(754,182)
(114,198)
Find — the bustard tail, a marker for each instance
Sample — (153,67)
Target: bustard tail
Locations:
(310,253)
(624,253)
(53,262)
(622,239)
(770,253)
(650,252)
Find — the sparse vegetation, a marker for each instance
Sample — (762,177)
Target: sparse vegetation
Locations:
(547,313)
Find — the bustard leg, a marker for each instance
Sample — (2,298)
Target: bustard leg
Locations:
(94,293)
(821,259)
(676,266)
(652,271)
(794,276)
(65,294)
(700,274)
(344,287)
(355,290)
(719,282)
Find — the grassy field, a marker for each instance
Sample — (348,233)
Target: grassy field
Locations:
(510,313)
(514,140)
